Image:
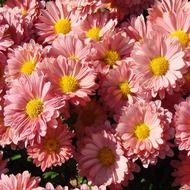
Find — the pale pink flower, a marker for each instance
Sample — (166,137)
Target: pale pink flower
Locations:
(159,67)
(22,181)
(164,6)
(182,171)
(95,26)
(181,123)
(28,8)
(30,107)
(54,149)
(71,80)
(119,88)
(101,159)
(144,129)
(175,25)
(70,47)
(55,19)
(23,60)
(20,28)
(114,48)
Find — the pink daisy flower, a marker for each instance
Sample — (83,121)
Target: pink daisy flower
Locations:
(159,67)
(96,25)
(113,50)
(30,107)
(182,171)
(72,80)
(28,8)
(119,88)
(163,6)
(144,130)
(181,123)
(55,20)
(54,149)
(70,47)
(20,28)
(175,25)
(23,60)
(19,181)
(101,159)
(89,118)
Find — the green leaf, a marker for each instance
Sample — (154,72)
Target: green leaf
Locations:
(16,157)
(50,174)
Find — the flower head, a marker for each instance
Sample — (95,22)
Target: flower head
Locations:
(54,149)
(19,181)
(144,130)
(71,79)
(101,159)
(30,107)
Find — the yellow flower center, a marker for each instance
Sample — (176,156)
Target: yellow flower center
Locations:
(24,12)
(111,57)
(182,36)
(159,66)
(124,88)
(68,84)
(142,131)
(62,26)
(74,57)
(28,67)
(106,156)
(93,33)
(51,145)
(34,108)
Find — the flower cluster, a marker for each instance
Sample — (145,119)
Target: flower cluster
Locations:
(98,82)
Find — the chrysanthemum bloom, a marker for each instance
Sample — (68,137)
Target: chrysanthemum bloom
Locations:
(96,25)
(119,88)
(145,131)
(159,67)
(54,149)
(175,25)
(20,28)
(71,80)
(182,171)
(114,48)
(137,28)
(22,181)
(163,6)
(3,164)
(28,8)
(55,20)
(181,122)
(30,107)
(23,60)
(70,47)
(89,117)
(101,159)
